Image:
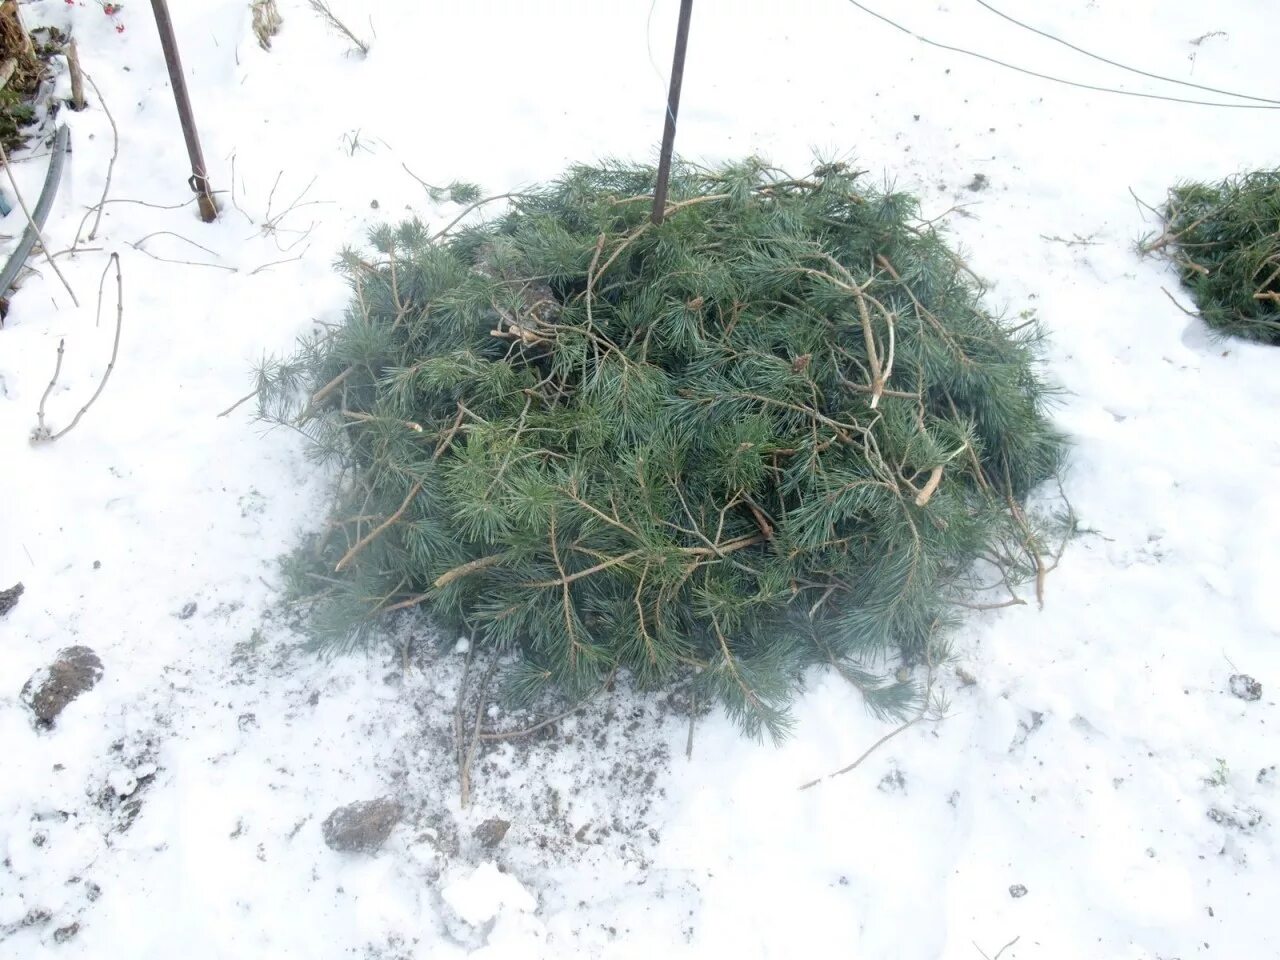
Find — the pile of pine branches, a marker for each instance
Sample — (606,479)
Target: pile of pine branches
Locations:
(776,429)
(1224,239)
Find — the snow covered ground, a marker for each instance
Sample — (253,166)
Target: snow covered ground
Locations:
(1100,762)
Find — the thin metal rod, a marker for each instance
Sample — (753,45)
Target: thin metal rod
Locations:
(673,107)
(199,181)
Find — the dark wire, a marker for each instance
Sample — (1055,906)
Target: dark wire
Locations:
(1045,76)
(1144,73)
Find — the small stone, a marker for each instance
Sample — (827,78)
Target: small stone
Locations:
(373,204)
(97,564)
(49,690)
(362,827)
(9,598)
(188,610)
(1267,775)
(1017,890)
(979,182)
(1245,687)
(63,934)
(491,832)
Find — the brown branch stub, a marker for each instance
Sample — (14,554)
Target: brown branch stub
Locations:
(466,569)
(447,439)
(378,530)
(565,579)
(406,603)
(930,487)
(77,101)
(323,392)
(245,399)
(1011,602)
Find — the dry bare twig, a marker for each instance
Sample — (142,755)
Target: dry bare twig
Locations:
(1174,301)
(41,430)
(42,434)
(457,710)
(556,718)
(234,202)
(378,530)
(111,164)
(102,203)
(272,223)
(276,263)
(1001,950)
(138,245)
(245,399)
(925,707)
(464,773)
(868,752)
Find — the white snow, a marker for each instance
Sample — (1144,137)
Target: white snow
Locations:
(484,892)
(1100,760)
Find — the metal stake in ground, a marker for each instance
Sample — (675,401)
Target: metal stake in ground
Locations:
(673,107)
(199,180)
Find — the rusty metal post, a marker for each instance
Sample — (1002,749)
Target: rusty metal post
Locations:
(199,180)
(673,107)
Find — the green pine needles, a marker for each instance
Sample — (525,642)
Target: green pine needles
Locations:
(1225,240)
(773,431)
